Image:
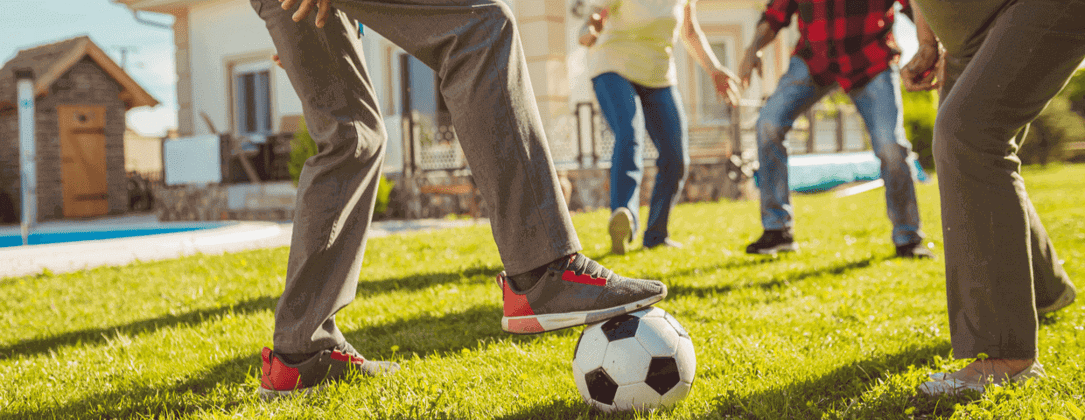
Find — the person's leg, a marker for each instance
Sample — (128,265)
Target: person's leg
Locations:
(668,129)
(337,187)
(795,93)
(879,103)
(618,103)
(987,220)
(474,46)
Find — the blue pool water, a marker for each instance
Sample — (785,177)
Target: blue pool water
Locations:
(54,236)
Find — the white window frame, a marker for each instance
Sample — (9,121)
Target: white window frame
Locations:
(262,108)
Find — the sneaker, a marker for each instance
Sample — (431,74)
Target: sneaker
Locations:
(1065,299)
(944,384)
(773,241)
(621,230)
(574,291)
(667,243)
(280,378)
(914,250)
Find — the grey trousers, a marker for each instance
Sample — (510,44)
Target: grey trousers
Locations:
(1000,263)
(475,48)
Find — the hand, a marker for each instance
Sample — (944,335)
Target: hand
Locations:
(924,70)
(590,33)
(726,87)
(323,6)
(750,62)
(275,58)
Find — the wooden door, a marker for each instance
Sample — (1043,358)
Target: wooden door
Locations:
(83,164)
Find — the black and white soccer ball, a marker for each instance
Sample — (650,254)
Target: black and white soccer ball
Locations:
(638,361)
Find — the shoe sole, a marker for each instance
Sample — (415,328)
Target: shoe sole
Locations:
(791,247)
(534,324)
(620,232)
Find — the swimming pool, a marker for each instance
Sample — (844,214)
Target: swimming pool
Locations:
(84,233)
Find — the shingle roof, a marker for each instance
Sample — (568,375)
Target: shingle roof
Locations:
(49,62)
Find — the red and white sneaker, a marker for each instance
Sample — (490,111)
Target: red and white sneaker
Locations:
(574,291)
(280,378)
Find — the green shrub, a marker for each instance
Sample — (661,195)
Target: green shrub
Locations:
(302,147)
(1048,134)
(920,109)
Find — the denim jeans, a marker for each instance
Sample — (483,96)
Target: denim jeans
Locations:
(666,125)
(879,103)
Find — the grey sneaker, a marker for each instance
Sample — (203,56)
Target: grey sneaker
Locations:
(574,291)
(1065,299)
(280,378)
(621,230)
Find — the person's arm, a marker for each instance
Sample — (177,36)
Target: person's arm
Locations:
(777,16)
(701,51)
(924,70)
(589,33)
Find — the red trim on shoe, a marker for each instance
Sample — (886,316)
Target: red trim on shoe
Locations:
(514,304)
(277,375)
(583,279)
(525,326)
(343,357)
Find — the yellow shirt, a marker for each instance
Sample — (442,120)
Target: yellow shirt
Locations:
(637,41)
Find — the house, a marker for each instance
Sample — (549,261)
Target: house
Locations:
(224,71)
(81,97)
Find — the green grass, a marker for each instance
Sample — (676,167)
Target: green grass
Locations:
(839,330)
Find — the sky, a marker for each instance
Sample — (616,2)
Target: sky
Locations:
(150,50)
(150,60)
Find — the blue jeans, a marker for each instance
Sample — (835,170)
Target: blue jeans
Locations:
(879,103)
(667,127)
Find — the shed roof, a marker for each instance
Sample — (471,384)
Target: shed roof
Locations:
(51,61)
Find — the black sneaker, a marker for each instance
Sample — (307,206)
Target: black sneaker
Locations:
(773,241)
(621,230)
(279,378)
(574,291)
(914,250)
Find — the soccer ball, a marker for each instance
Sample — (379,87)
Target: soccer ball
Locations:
(638,361)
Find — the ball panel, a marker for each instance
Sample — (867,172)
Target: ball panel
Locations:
(677,326)
(687,360)
(675,394)
(601,387)
(626,361)
(581,383)
(658,337)
(638,396)
(590,349)
(619,327)
(663,374)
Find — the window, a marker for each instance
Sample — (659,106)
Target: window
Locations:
(252,98)
(711,108)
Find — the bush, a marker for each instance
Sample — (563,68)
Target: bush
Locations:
(302,147)
(1048,134)
(920,109)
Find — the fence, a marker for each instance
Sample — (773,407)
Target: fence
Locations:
(582,139)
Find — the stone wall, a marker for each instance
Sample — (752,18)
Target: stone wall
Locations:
(9,165)
(272,201)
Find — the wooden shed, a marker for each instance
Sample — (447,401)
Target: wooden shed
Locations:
(81,97)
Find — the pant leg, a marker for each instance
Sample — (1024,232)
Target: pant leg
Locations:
(668,128)
(998,257)
(337,187)
(879,103)
(618,101)
(795,93)
(474,47)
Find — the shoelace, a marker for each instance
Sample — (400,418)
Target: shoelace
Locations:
(590,267)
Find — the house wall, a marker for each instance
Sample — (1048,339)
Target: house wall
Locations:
(9,161)
(84,84)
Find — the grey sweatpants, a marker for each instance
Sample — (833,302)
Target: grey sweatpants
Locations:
(1000,263)
(475,48)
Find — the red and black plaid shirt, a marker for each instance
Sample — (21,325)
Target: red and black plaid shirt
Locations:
(842,41)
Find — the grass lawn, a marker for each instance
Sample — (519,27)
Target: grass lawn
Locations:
(839,330)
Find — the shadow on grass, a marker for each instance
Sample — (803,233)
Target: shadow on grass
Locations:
(778,281)
(217,388)
(96,336)
(835,390)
